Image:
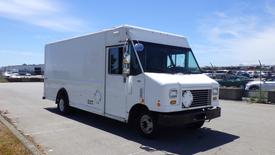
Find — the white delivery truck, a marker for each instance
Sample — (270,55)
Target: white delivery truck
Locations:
(131,74)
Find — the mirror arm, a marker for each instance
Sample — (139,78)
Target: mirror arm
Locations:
(137,56)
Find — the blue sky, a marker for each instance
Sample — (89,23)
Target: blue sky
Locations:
(228,32)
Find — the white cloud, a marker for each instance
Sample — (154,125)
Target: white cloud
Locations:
(261,45)
(45,13)
(242,39)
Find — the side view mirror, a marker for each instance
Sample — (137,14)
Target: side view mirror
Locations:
(126,61)
(139,47)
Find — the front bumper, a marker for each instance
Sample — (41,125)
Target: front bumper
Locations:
(188,117)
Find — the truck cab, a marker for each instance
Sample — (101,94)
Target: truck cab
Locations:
(173,87)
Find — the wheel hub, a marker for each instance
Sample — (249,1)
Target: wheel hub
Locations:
(146,124)
(61,105)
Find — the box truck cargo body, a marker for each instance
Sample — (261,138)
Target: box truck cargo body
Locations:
(131,74)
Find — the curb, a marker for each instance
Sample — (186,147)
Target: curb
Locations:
(27,143)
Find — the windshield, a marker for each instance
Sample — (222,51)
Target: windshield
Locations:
(159,58)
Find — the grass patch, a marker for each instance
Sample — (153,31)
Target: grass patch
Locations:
(2,79)
(258,97)
(9,144)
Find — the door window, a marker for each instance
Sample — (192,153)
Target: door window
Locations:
(115,60)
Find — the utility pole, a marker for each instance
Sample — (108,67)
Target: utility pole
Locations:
(260,80)
(212,70)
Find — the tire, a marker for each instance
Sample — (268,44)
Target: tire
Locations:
(62,102)
(254,88)
(195,126)
(147,125)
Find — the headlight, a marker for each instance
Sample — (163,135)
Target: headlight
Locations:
(173,93)
(215,91)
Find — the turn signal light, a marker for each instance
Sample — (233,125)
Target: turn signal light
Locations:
(142,101)
(173,102)
(158,103)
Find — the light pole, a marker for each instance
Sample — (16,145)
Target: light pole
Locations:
(212,70)
(260,80)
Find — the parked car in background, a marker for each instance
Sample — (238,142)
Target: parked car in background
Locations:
(10,73)
(251,73)
(209,73)
(243,73)
(6,74)
(14,76)
(24,73)
(264,85)
(220,74)
(234,81)
(258,73)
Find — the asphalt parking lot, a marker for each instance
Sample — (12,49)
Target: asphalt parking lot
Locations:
(243,128)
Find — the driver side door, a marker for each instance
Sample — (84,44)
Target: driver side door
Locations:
(116,91)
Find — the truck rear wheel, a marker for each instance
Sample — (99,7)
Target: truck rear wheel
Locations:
(147,124)
(63,104)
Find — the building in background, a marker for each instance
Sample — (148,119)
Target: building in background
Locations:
(33,69)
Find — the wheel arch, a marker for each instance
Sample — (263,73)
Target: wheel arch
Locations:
(62,91)
(135,110)
(254,86)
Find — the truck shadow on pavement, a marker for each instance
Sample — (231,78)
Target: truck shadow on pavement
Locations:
(170,140)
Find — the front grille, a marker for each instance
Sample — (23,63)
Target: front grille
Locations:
(201,98)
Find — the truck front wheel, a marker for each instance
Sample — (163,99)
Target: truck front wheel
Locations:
(147,124)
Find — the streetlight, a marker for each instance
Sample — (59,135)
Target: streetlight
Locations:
(260,80)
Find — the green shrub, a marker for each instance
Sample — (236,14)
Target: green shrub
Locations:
(2,79)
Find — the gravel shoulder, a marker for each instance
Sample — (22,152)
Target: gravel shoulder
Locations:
(9,144)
